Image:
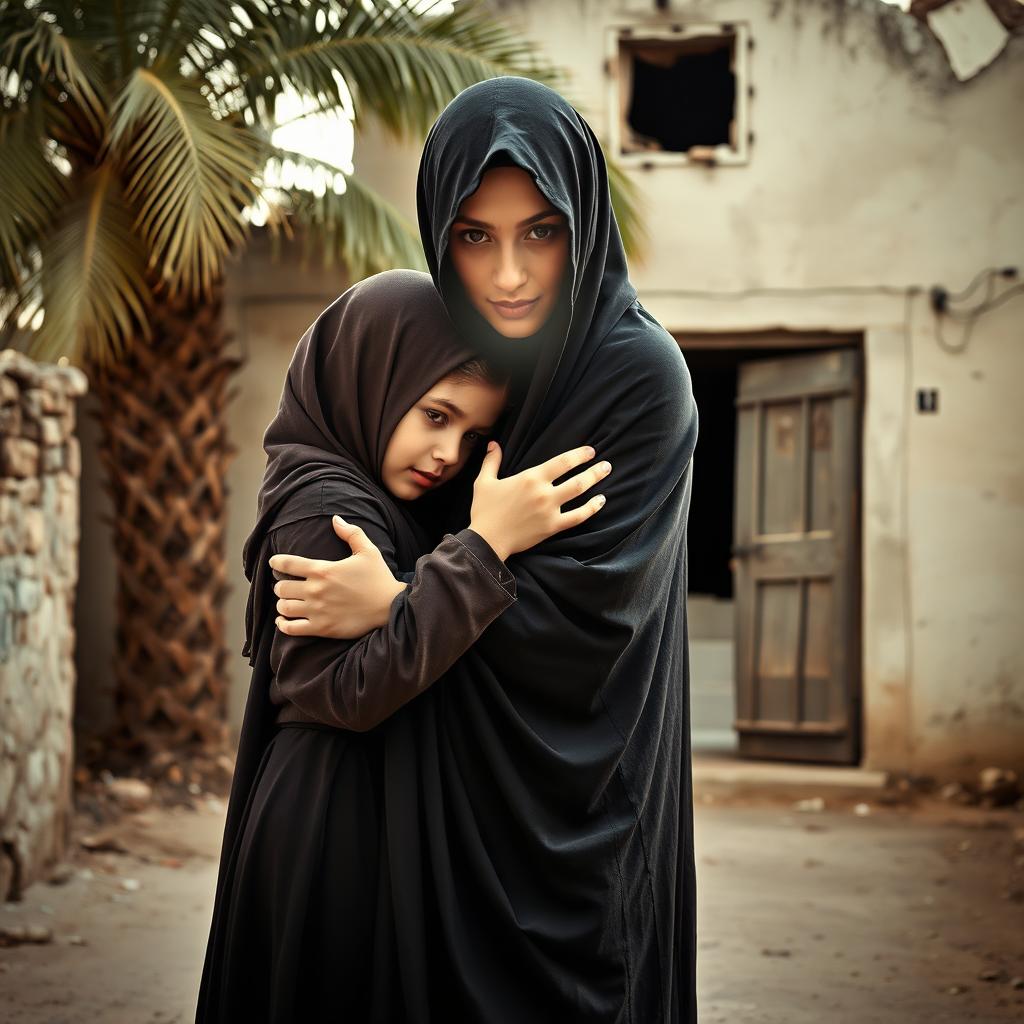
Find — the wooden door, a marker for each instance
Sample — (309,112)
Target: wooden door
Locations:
(796,558)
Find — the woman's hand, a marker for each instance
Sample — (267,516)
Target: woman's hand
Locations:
(342,600)
(520,511)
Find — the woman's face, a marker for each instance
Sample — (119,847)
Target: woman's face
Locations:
(436,436)
(510,247)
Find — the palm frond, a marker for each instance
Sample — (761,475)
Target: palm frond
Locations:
(32,191)
(188,175)
(628,210)
(358,227)
(39,50)
(395,62)
(92,279)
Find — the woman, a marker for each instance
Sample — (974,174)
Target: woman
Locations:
(539,810)
(381,405)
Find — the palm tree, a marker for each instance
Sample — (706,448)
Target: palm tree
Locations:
(138,141)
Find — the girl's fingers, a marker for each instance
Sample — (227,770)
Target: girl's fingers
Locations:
(354,536)
(581,482)
(491,462)
(567,520)
(291,609)
(566,462)
(294,627)
(294,590)
(296,565)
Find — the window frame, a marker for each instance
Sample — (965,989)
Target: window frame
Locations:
(724,155)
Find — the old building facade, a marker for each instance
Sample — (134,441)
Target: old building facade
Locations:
(830,210)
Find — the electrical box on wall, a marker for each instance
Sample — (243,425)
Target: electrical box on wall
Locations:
(927,400)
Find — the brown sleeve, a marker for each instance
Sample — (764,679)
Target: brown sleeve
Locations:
(456,592)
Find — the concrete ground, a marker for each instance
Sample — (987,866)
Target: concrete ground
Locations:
(887,914)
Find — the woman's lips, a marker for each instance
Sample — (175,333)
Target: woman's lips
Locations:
(424,479)
(515,310)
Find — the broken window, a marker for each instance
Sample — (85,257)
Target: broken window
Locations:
(681,92)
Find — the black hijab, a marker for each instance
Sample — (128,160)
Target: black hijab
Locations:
(355,372)
(539,805)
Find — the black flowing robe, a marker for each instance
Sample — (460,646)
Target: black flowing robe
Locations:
(538,801)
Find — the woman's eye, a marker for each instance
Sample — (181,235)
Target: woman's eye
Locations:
(471,436)
(436,417)
(474,236)
(542,232)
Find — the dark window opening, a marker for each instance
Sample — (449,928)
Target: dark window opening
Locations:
(678,94)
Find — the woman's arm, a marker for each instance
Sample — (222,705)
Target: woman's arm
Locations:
(347,598)
(455,593)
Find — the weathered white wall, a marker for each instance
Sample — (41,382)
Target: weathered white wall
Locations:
(874,169)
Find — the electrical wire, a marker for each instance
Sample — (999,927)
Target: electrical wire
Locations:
(980,276)
(990,304)
(969,317)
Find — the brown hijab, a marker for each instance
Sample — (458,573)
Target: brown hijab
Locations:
(356,371)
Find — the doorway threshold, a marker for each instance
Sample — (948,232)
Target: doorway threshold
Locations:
(726,769)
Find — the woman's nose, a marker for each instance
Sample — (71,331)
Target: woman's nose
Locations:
(510,274)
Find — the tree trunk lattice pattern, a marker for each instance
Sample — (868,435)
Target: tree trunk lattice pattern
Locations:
(166,453)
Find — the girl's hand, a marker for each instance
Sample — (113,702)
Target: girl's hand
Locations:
(342,600)
(520,511)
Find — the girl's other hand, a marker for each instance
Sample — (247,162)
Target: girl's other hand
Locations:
(342,600)
(520,511)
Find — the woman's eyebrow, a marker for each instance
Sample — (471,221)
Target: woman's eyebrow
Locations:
(459,219)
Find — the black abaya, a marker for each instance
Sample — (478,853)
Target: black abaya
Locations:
(538,805)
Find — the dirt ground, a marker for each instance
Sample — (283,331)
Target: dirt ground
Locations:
(893,914)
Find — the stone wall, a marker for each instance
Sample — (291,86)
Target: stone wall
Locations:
(40,464)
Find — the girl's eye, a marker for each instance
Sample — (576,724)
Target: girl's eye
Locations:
(542,232)
(471,436)
(436,417)
(474,236)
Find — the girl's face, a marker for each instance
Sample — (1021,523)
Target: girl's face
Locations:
(435,437)
(510,247)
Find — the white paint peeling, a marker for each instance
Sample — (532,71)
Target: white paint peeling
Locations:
(970,33)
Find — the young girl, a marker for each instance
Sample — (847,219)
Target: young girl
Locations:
(539,810)
(358,433)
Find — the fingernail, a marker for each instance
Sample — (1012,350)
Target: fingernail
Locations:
(491,445)
(601,499)
(591,452)
(606,467)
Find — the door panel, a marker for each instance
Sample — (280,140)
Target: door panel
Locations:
(795,558)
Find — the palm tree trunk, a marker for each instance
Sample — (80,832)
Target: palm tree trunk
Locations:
(166,452)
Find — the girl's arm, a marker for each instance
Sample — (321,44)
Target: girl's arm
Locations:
(455,593)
